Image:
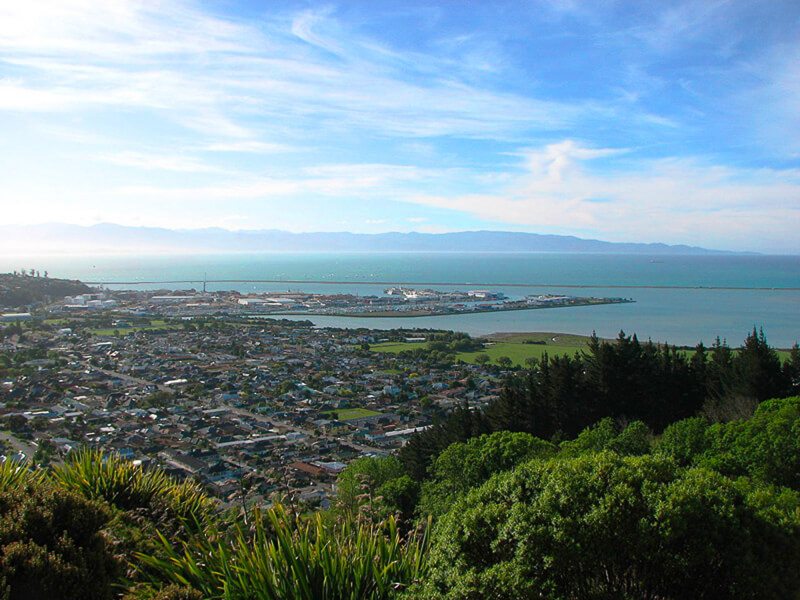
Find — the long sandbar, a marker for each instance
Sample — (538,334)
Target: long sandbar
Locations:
(444,283)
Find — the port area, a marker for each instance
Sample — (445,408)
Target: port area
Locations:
(410,302)
(395,302)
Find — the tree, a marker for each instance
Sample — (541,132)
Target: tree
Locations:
(720,370)
(684,441)
(463,466)
(765,447)
(459,426)
(505,362)
(791,371)
(757,369)
(16,422)
(482,358)
(604,526)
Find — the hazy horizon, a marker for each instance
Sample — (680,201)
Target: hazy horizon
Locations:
(112,238)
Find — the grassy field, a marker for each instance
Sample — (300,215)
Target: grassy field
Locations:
(514,347)
(518,353)
(155,324)
(511,345)
(349,414)
(56,321)
(561,339)
(395,347)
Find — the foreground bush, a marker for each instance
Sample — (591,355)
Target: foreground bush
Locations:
(51,545)
(605,526)
(765,446)
(463,466)
(285,558)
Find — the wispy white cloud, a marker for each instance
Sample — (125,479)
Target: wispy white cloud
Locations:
(151,160)
(381,173)
(563,187)
(679,23)
(321,103)
(774,103)
(686,201)
(214,75)
(251,147)
(304,27)
(378,181)
(254,188)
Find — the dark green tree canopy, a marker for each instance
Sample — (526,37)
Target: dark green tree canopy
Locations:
(604,526)
(463,466)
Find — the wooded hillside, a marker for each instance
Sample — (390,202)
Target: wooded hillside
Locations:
(18,290)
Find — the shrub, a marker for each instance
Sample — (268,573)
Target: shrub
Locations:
(51,546)
(605,435)
(765,446)
(463,466)
(604,526)
(684,441)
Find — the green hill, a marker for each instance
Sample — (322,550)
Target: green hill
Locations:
(22,290)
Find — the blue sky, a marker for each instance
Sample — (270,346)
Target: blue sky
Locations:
(624,121)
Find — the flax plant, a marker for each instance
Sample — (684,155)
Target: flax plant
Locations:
(14,475)
(126,486)
(110,478)
(190,504)
(282,557)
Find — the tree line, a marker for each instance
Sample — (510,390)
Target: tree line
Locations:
(626,380)
(702,510)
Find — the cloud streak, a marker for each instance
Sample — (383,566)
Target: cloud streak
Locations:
(215,76)
(412,115)
(563,187)
(684,200)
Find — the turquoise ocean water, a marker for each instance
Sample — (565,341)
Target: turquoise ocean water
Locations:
(685,315)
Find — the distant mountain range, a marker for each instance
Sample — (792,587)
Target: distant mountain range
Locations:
(111,238)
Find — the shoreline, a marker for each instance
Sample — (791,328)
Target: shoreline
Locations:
(417,314)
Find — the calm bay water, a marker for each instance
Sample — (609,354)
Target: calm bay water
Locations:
(682,316)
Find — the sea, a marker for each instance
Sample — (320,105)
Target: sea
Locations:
(680,299)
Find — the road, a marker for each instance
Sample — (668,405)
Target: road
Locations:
(17,445)
(246,413)
(332,438)
(138,380)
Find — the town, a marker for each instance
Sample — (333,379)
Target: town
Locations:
(218,386)
(223,399)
